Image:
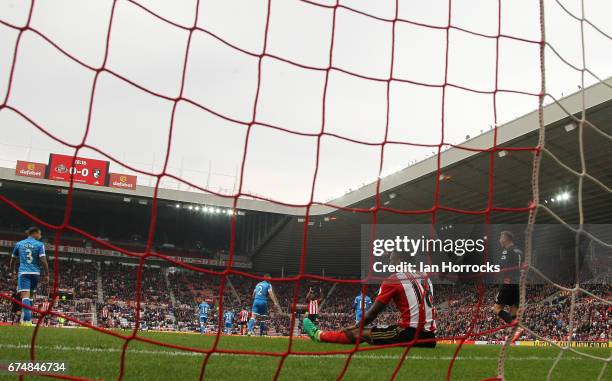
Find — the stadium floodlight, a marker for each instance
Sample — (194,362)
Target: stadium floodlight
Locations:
(197,208)
(177,205)
(570,127)
(502,153)
(392,195)
(565,196)
(217,210)
(190,207)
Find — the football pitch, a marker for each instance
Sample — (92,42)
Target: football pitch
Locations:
(95,355)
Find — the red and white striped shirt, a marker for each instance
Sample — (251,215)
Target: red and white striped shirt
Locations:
(412,293)
(244,316)
(104,312)
(313,307)
(44,305)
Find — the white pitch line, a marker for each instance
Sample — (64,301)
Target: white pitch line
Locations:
(195,354)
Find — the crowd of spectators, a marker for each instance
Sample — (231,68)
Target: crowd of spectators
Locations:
(79,277)
(547,312)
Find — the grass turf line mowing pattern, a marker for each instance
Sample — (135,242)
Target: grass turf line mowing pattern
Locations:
(94,355)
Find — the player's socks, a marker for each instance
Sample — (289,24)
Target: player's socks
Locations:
(505,316)
(251,325)
(311,330)
(517,334)
(27,314)
(338,337)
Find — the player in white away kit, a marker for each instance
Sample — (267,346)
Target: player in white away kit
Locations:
(412,294)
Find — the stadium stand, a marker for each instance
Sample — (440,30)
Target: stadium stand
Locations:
(547,313)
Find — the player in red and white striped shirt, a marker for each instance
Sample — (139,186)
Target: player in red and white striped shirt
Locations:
(244,320)
(412,294)
(313,301)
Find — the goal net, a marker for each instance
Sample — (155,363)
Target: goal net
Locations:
(303,101)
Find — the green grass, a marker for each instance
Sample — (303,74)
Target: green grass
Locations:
(97,356)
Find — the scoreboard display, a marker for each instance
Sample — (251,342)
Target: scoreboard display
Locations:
(82,170)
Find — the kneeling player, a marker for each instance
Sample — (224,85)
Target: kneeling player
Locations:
(412,294)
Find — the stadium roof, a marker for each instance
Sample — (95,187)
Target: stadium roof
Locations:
(408,197)
(521,132)
(467,169)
